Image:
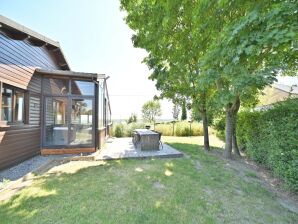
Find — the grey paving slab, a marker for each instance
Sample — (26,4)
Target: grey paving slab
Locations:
(123,148)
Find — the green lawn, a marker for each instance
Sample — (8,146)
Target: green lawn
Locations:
(146,191)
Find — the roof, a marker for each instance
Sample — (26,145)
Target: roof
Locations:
(70,73)
(22,32)
(286,88)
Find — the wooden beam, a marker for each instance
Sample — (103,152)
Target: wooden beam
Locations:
(1,86)
(67,151)
(56,49)
(62,64)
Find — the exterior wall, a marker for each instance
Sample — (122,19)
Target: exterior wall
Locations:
(18,60)
(101,137)
(273,95)
(18,144)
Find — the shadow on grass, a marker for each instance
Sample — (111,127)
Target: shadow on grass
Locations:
(127,191)
(56,191)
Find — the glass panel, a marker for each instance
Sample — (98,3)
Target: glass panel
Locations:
(6,104)
(56,121)
(82,88)
(56,86)
(81,122)
(19,106)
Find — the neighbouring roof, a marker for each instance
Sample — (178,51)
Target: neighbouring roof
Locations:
(286,88)
(21,32)
(70,73)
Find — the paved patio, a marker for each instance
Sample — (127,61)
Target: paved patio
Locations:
(123,148)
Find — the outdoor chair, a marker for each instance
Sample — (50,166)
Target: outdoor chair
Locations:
(160,142)
(135,138)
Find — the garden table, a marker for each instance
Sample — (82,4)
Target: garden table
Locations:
(146,139)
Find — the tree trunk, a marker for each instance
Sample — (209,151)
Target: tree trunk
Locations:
(205,129)
(231,122)
(229,133)
(234,137)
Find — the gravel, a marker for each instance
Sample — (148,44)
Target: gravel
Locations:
(23,168)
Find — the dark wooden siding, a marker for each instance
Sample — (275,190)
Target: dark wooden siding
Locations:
(18,144)
(35,84)
(18,60)
(34,110)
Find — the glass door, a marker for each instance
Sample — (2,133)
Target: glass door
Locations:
(68,122)
(56,121)
(81,127)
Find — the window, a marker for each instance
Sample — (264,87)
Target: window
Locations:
(56,87)
(12,105)
(82,88)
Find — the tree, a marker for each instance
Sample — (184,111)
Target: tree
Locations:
(165,30)
(132,119)
(184,112)
(151,110)
(176,111)
(254,45)
(217,63)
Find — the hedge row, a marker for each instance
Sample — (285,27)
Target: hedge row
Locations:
(271,138)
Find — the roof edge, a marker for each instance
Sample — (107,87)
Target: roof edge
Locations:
(12,24)
(70,73)
(6,22)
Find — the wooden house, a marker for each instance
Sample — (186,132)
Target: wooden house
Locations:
(45,107)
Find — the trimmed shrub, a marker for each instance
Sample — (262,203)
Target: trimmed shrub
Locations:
(125,130)
(271,138)
(118,131)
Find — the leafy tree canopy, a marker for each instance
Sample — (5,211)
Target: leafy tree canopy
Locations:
(151,110)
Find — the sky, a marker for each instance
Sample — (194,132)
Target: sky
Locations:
(94,38)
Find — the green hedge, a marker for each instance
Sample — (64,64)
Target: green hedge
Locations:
(271,137)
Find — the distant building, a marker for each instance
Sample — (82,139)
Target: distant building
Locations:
(277,92)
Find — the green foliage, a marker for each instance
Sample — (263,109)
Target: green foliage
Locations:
(176,111)
(132,119)
(196,116)
(151,110)
(125,130)
(215,62)
(271,138)
(220,126)
(184,112)
(118,131)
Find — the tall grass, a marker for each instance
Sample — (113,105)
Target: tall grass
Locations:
(181,128)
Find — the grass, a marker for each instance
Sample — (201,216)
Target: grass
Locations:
(146,191)
(181,128)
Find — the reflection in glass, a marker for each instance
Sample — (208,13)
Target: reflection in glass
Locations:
(82,88)
(56,121)
(6,104)
(82,121)
(55,86)
(19,106)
